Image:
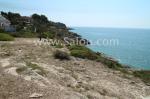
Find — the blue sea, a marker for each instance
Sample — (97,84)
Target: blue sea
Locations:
(133,47)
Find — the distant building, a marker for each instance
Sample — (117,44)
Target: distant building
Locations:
(6,24)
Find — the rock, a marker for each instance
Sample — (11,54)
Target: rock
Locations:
(12,71)
(19,50)
(94,95)
(5,62)
(28,78)
(132,82)
(36,95)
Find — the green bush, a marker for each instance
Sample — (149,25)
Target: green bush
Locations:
(6,37)
(1,30)
(59,46)
(28,35)
(48,35)
(61,55)
(24,34)
(144,75)
(77,47)
(78,53)
(82,52)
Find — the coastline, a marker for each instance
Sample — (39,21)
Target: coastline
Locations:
(105,55)
(111,63)
(112,54)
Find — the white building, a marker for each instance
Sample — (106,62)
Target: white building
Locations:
(6,24)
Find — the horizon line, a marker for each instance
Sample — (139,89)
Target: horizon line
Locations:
(110,27)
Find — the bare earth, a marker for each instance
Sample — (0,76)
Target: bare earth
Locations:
(55,79)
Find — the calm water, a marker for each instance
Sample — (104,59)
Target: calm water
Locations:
(133,48)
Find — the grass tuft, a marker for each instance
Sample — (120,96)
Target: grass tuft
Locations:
(41,71)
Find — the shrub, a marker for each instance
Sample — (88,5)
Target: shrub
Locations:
(28,35)
(144,75)
(48,35)
(1,30)
(77,47)
(21,69)
(24,34)
(6,37)
(59,46)
(82,52)
(61,55)
(78,53)
(109,63)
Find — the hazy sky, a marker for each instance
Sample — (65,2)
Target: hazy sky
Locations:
(99,13)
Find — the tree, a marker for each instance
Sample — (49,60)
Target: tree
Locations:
(41,23)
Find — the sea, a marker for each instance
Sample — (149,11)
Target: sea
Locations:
(130,47)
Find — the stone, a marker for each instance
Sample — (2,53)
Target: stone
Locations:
(35,95)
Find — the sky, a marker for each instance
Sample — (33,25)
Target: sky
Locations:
(87,13)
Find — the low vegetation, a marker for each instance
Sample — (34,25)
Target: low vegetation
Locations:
(6,37)
(82,52)
(59,46)
(110,63)
(24,34)
(144,75)
(49,35)
(39,69)
(1,30)
(86,53)
(21,69)
(61,55)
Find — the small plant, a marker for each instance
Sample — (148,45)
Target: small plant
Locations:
(6,37)
(41,71)
(61,55)
(59,46)
(21,69)
(49,35)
